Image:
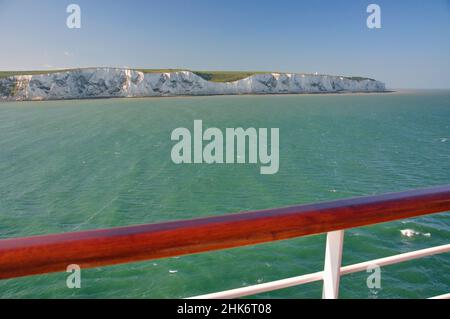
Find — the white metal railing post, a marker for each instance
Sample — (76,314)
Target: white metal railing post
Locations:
(317,276)
(332,267)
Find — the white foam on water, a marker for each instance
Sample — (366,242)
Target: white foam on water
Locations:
(412,233)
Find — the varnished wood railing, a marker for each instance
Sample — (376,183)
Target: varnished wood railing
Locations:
(52,253)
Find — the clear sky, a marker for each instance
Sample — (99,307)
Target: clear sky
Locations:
(411,50)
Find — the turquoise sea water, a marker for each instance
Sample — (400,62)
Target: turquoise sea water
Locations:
(76,165)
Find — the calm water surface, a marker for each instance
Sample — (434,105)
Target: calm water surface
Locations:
(77,165)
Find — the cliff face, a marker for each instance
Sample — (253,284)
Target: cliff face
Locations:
(111,82)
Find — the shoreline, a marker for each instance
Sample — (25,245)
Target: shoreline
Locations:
(342,93)
(102,83)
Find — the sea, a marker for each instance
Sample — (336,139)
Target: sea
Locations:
(88,164)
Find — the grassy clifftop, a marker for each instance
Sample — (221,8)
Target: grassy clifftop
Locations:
(225,76)
(213,76)
(5,74)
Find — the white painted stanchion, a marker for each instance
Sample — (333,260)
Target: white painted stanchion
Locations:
(269,286)
(332,267)
(345,270)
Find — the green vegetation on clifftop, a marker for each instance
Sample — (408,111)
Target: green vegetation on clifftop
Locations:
(213,76)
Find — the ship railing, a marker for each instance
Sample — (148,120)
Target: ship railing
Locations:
(92,248)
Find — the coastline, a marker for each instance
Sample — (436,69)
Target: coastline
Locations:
(212,95)
(122,83)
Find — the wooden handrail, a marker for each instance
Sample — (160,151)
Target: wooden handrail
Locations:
(52,253)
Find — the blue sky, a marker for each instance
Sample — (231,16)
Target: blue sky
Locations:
(411,50)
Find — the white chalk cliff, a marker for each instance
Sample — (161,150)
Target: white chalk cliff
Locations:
(114,82)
